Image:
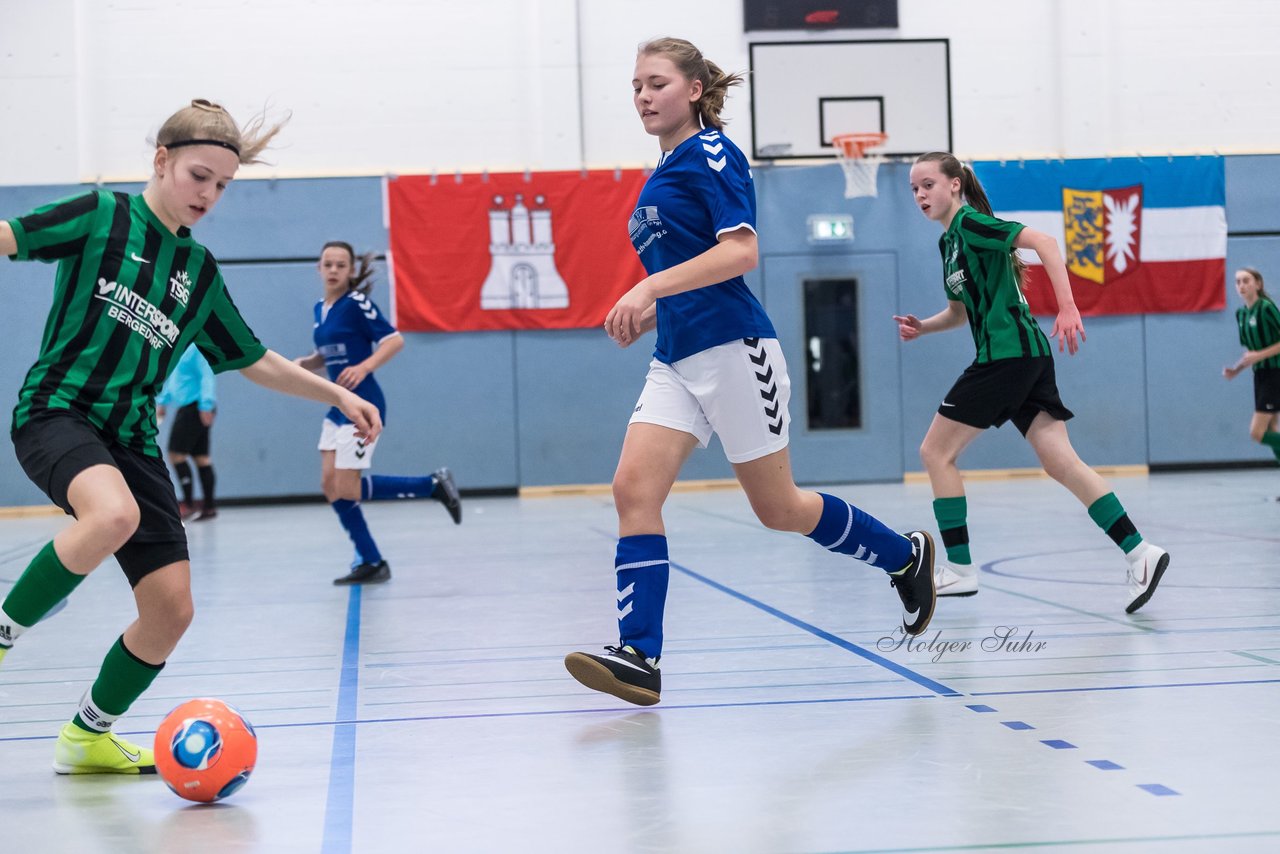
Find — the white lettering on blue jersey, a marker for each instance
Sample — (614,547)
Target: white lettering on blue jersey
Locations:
(345,334)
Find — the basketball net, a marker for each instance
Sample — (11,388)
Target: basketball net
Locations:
(859,164)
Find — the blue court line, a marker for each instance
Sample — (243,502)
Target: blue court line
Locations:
(1057,744)
(1104,764)
(1122,687)
(1060,744)
(523,714)
(1110,842)
(1157,789)
(922,681)
(342,764)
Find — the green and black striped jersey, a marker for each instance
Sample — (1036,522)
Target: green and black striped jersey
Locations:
(978,272)
(129,297)
(1260,328)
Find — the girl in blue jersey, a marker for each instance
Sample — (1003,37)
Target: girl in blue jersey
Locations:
(353,339)
(717,368)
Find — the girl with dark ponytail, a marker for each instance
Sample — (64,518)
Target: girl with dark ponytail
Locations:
(1012,377)
(354,338)
(1259,323)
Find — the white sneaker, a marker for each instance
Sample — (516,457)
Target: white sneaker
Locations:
(1147,564)
(955,581)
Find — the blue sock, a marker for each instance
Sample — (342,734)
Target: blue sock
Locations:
(846,529)
(378,487)
(353,520)
(643,571)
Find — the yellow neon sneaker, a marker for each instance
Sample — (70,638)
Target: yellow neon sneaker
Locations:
(80,752)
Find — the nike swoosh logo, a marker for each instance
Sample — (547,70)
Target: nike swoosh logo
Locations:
(627,664)
(132,757)
(944,403)
(135,256)
(1142,579)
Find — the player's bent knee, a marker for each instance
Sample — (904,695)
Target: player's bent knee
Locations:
(114,524)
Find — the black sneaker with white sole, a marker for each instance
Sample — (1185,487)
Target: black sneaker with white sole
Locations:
(366,573)
(915,585)
(622,672)
(446,492)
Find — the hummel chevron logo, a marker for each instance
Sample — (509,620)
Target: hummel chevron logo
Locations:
(713,149)
(767,376)
(626,591)
(716,164)
(132,757)
(757,359)
(711,136)
(751,342)
(773,411)
(770,393)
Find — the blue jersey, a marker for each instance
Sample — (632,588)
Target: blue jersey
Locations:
(700,190)
(190,382)
(345,333)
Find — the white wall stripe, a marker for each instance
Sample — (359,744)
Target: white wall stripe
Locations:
(1168,234)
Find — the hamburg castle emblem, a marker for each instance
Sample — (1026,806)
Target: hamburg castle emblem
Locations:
(524,272)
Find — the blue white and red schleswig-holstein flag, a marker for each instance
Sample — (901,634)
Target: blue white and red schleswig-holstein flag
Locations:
(1139,235)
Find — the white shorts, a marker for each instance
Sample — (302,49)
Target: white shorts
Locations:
(739,391)
(352,453)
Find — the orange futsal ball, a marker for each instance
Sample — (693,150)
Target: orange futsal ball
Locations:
(205,750)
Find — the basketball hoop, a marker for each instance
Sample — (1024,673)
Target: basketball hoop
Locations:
(859,165)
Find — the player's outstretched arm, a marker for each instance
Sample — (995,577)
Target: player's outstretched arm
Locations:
(277,373)
(911,327)
(1068,326)
(8,243)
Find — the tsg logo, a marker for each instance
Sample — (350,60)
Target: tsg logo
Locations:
(180,286)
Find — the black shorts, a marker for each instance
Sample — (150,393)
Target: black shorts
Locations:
(189,435)
(992,393)
(55,445)
(1266,390)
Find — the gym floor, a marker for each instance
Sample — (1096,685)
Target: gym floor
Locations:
(432,713)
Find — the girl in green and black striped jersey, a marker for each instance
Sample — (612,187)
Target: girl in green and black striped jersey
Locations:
(133,290)
(1012,377)
(1259,322)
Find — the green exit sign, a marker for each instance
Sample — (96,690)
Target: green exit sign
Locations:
(826,228)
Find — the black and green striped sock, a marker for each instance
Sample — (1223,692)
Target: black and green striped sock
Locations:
(951,514)
(1108,514)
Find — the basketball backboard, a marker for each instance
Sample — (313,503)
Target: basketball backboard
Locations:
(804,93)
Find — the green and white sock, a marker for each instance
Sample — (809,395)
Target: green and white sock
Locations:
(122,679)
